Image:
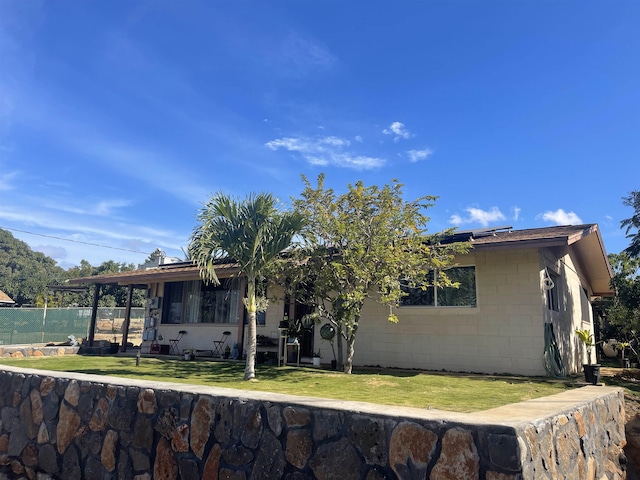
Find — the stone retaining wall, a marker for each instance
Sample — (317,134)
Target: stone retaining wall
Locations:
(17,351)
(74,426)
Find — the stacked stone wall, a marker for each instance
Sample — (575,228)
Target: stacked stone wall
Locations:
(70,426)
(19,351)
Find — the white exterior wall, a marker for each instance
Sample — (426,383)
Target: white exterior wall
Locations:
(504,333)
(574,308)
(200,336)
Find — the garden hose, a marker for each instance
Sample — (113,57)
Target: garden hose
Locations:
(551,356)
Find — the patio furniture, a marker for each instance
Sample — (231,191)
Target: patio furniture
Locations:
(173,343)
(218,345)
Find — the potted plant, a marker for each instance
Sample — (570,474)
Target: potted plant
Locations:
(624,362)
(227,352)
(591,370)
(190,354)
(316,358)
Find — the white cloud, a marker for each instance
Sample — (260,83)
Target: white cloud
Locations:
(560,217)
(516,212)
(298,56)
(57,253)
(416,155)
(6,181)
(358,138)
(477,215)
(325,151)
(456,219)
(397,129)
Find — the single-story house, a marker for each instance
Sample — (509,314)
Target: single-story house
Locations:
(513,285)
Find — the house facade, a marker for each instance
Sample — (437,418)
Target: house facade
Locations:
(512,283)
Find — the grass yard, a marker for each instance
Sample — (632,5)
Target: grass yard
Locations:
(443,391)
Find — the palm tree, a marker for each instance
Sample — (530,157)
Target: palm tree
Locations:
(252,233)
(633,200)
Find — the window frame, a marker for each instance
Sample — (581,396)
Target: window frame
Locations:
(434,291)
(191,310)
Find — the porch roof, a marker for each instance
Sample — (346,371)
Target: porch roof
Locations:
(164,273)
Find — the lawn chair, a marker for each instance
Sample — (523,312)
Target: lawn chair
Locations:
(218,345)
(173,343)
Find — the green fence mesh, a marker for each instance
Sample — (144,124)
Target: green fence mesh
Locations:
(33,325)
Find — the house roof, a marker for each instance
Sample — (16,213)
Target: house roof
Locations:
(584,240)
(5,299)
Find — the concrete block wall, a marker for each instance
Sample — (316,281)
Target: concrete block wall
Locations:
(73,426)
(504,333)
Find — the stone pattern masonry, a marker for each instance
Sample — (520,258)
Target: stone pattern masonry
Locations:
(19,351)
(75,426)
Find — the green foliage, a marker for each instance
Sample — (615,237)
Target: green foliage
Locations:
(24,274)
(623,311)
(586,337)
(251,232)
(363,244)
(632,223)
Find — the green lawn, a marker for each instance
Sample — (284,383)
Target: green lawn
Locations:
(443,391)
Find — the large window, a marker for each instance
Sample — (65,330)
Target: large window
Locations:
(195,302)
(430,296)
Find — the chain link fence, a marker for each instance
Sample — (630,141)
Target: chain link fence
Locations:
(34,325)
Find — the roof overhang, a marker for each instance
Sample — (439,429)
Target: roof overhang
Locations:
(592,256)
(163,273)
(585,241)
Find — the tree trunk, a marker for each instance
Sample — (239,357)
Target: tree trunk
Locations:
(348,364)
(339,345)
(250,367)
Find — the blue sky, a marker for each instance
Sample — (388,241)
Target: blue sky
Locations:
(119,119)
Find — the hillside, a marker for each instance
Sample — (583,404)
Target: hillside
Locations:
(24,273)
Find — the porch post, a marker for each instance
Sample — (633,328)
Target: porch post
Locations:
(94,314)
(127,319)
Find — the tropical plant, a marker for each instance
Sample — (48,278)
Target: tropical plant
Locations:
(633,200)
(622,346)
(586,337)
(251,232)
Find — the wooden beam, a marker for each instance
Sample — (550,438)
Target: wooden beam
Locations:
(94,315)
(127,319)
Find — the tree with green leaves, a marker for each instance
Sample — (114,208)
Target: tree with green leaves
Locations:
(623,311)
(632,223)
(25,274)
(368,243)
(110,295)
(251,232)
